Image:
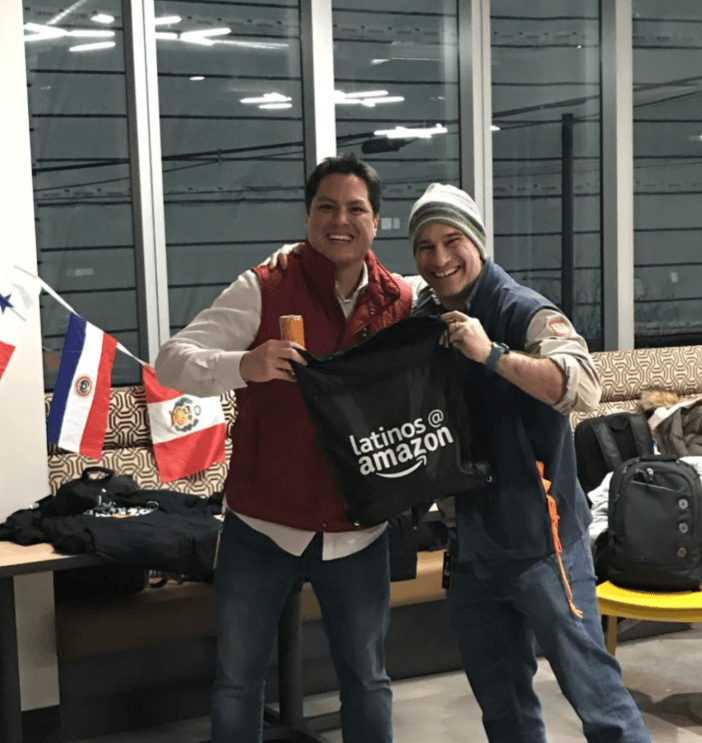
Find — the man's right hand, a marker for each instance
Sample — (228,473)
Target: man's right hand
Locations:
(280,257)
(271,360)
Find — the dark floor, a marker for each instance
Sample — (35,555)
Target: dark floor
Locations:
(663,672)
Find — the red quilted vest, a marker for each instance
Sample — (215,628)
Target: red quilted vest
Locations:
(277,471)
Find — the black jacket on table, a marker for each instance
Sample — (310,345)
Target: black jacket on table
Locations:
(160,530)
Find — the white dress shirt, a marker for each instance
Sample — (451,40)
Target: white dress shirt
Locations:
(187,363)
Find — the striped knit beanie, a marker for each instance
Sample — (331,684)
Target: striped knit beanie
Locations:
(447,204)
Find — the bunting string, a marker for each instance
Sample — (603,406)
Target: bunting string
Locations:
(187,432)
(65,304)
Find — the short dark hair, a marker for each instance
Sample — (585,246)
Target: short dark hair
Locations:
(348,164)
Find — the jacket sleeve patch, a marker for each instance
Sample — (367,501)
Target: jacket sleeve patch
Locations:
(560,327)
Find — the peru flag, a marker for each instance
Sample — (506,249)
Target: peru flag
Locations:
(78,415)
(188,432)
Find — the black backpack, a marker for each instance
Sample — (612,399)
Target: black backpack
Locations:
(93,487)
(654,533)
(603,443)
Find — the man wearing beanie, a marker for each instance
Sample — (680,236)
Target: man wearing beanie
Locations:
(521,566)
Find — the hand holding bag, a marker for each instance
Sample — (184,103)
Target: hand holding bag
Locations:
(392,421)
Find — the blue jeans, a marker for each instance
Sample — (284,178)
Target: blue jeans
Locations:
(498,609)
(252,582)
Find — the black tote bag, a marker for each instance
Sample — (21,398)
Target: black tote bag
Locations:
(392,421)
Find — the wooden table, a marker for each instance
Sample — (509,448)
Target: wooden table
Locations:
(289,724)
(18,560)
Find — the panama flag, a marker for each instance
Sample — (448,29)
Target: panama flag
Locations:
(78,415)
(188,432)
(17,295)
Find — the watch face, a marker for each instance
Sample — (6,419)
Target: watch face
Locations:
(498,350)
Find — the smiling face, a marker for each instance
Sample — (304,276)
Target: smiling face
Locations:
(340,223)
(449,262)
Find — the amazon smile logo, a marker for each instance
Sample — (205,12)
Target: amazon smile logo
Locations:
(406,447)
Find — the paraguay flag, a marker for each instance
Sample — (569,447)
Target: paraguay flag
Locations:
(78,414)
(188,432)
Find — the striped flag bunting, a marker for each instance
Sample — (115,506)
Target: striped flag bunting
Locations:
(81,400)
(187,432)
(18,293)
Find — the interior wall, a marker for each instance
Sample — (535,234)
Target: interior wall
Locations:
(23,464)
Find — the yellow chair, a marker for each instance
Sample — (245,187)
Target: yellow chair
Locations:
(683,606)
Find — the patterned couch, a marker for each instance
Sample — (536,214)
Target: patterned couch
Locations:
(127,448)
(626,374)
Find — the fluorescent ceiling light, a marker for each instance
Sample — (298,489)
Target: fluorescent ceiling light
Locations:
(494,128)
(66,12)
(40,32)
(371,102)
(197,77)
(103,18)
(91,47)
(695,138)
(341,97)
(379,61)
(165,34)
(402,132)
(365,94)
(53,32)
(255,44)
(87,33)
(365,98)
(267,98)
(202,36)
(276,105)
(167,19)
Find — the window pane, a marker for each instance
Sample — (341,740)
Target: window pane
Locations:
(231,130)
(546,86)
(668,171)
(396,63)
(80,154)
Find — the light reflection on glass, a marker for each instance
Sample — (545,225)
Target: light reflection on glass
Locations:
(81,176)
(233,168)
(545,85)
(396,102)
(667,98)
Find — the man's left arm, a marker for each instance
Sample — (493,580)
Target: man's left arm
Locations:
(551,336)
(555,367)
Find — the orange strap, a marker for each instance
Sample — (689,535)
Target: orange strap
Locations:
(554,518)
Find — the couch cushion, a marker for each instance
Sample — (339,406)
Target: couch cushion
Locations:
(138,462)
(624,374)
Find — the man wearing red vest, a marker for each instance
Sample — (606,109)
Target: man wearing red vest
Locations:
(285,519)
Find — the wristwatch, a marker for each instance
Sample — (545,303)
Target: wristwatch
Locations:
(496,353)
